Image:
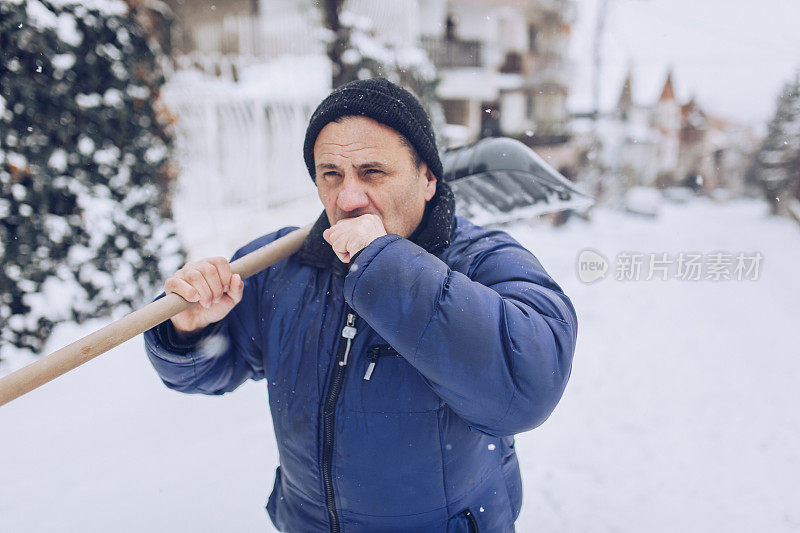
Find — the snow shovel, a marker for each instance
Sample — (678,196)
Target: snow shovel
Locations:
(73,355)
(498,180)
(495,180)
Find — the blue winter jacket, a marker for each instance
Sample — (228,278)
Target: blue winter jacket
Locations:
(396,383)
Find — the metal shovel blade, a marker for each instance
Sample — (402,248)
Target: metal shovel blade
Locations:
(499,179)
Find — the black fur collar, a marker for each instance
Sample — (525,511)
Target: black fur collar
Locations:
(433,233)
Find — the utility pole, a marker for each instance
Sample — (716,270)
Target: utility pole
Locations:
(599,30)
(594,173)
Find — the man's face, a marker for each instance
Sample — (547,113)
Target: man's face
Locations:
(363,167)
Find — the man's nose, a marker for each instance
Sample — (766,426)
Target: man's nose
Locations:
(352,195)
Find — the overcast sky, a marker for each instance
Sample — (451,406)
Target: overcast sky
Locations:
(732,55)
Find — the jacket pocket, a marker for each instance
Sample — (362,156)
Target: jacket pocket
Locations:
(463,522)
(374,353)
(387,383)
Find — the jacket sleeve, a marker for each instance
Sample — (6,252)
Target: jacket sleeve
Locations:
(225,354)
(496,344)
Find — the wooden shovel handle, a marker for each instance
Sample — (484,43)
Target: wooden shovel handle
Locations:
(73,355)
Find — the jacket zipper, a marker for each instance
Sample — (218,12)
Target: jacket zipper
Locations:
(348,333)
(473,522)
(373,354)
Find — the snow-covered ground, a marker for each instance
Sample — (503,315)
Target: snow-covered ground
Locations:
(681,414)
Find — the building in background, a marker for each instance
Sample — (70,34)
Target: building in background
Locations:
(503,67)
(502,64)
(221,37)
(666,144)
(713,152)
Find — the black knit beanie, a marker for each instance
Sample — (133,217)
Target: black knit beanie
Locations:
(385,102)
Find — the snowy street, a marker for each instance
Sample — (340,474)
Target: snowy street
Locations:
(681,413)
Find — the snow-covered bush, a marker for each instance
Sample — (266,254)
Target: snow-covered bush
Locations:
(85,218)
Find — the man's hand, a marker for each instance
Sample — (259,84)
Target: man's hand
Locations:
(208,281)
(347,237)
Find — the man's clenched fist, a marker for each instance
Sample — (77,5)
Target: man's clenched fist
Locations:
(350,235)
(209,282)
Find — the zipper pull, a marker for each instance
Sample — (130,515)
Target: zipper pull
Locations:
(370,368)
(373,356)
(348,332)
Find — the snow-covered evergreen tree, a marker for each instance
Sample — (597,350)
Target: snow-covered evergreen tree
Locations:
(356,53)
(85,218)
(776,165)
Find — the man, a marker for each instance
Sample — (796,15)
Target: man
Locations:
(403,347)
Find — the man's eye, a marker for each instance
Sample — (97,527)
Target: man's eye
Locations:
(374,171)
(331,175)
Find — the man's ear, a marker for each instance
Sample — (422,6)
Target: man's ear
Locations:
(430,181)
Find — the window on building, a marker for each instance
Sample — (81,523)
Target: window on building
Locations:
(512,64)
(456,112)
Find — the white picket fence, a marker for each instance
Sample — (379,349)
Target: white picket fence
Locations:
(238,151)
(239,148)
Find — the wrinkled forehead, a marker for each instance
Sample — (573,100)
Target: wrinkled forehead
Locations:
(358,139)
